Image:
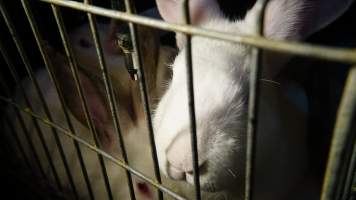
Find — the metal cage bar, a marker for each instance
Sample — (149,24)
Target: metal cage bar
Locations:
(137,64)
(342,137)
(191,102)
(14,75)
(116,161)
(16,137)
(350,177)
(110,95)
(8,146)
(253,103)
(342,132)
(49,68)
(13,133)
(30,72)
(74,68)
(298,48)
(22,124)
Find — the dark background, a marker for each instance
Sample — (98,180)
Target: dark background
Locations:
(323,82)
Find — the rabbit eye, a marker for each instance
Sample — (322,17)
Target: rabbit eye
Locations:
(84,43)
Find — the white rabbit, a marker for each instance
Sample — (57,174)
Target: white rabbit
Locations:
(221,84)
(130,111)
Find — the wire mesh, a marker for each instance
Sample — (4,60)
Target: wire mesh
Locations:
(84,103)
(93,147)
(49,67)
(297,48)
(12,132)
(30,72)
(110,95)
(137,64)
(343,134)
(14,75)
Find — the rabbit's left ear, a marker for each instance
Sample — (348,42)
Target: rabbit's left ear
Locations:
(297,19)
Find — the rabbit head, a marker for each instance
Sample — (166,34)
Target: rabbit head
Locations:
(221,77)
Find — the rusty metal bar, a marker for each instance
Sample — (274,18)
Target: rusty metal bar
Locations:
(74,68)
(342,137)
(253,104)
(137,62)
(191,103)
(298,48)
(110,95)
(50,71)
(93,147)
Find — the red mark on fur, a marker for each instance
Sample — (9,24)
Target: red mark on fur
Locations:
(144,189)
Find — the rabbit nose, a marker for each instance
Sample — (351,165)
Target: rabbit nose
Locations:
(179,156)
(175,173)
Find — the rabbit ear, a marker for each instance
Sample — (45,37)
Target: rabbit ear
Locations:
(96,100)
(297,19)
(200,11)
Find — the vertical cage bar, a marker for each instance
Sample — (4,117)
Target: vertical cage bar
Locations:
(8,148)
(53,78)
(15,135)
(94,148)
(137,61)
(110,95)
(30,142)
(74,68)
(191,102)
(350,175)
(21,120)
(253,104)
(14,75)
(31,74)
(342,137)
(12,132)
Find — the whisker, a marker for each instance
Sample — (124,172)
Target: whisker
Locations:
(232,173)
(270,81)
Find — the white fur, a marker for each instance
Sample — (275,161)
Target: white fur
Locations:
(221,78)
(136,137)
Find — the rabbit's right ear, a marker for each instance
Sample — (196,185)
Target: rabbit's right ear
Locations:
(200,11)
(96,100)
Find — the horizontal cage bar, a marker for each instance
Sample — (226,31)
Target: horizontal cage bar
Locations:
(93,147)
(297,48)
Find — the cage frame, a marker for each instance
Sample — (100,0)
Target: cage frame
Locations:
(343,136)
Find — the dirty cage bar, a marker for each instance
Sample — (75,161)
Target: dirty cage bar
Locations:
(343,136)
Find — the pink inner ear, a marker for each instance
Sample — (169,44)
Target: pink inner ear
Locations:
(105,134)
(99,112)
(110,39)
(111,46)
(200,10)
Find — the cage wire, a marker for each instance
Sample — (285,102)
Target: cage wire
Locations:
(340,171)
